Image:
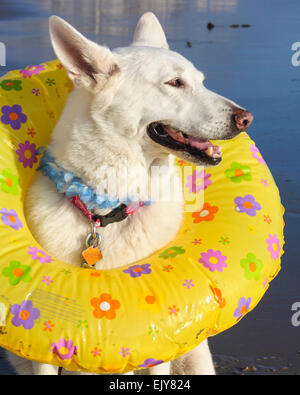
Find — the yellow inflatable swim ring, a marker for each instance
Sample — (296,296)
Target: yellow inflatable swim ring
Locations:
(214,272)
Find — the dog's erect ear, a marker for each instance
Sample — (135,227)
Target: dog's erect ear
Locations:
(149,32)
(87,63)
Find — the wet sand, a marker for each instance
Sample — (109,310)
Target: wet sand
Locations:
(250,65)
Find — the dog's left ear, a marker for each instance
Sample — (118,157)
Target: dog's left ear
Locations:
(88,64)
(149,32)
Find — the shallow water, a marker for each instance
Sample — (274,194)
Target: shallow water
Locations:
(252,66)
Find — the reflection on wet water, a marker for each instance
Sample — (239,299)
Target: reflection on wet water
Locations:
(123,11)
(24,24)
(251,66)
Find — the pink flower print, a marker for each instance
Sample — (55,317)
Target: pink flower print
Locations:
(197,181)
(264,182)
(213,260)
(188,284)
(273,246)
(64,349)
(39,255)
(124,351)
(47,280)
(31,70)
(256,154)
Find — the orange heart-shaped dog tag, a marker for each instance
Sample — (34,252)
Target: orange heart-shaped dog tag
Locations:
(92,255)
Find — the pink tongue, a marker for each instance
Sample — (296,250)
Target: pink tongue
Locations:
(173,133)
(203,145)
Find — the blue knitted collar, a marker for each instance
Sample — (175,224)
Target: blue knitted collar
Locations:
(71,185)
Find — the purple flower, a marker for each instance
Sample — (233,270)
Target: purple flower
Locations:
(35,92)
(264,182)
(10,218)
(64,349)
(148,363)
(247,204)
(273,246)
(188,284)
(243,307)
(39,255)
(13,116)
(47,280)
(197,181)
(32,69)
(256,154)
(213,260)
(26,153)
(124,351)
(24,314)
(138,270)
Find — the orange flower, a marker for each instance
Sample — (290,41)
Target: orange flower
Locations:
(267,219)
(48,326)
(181,162)
(105,306)
(218,296)
(197,241)
(173,310)
(205,214)
(167,268)
(96,352)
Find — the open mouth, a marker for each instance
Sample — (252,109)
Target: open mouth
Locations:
(193,148)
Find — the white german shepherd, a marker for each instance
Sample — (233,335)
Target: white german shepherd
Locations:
(138,105)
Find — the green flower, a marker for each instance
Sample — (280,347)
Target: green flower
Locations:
(252,266)
(238,172)
(153,330)
(224,240)
(172,252)
(17,272)
(66,271)
(9,182)
(82,325)
(50,81)
(8,85)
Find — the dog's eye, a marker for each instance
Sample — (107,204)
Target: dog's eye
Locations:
(176,82)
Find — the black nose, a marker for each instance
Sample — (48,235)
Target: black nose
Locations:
(242,119)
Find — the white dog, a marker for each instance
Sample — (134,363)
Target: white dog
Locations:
(136,106)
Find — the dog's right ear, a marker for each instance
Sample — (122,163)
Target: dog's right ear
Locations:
(149,32)
(88,64)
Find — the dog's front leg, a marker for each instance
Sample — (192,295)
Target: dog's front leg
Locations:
(44,369)
(161,369)
(197,362)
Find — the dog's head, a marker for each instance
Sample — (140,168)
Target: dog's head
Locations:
(151,95)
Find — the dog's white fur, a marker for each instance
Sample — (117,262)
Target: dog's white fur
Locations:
(117,94)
